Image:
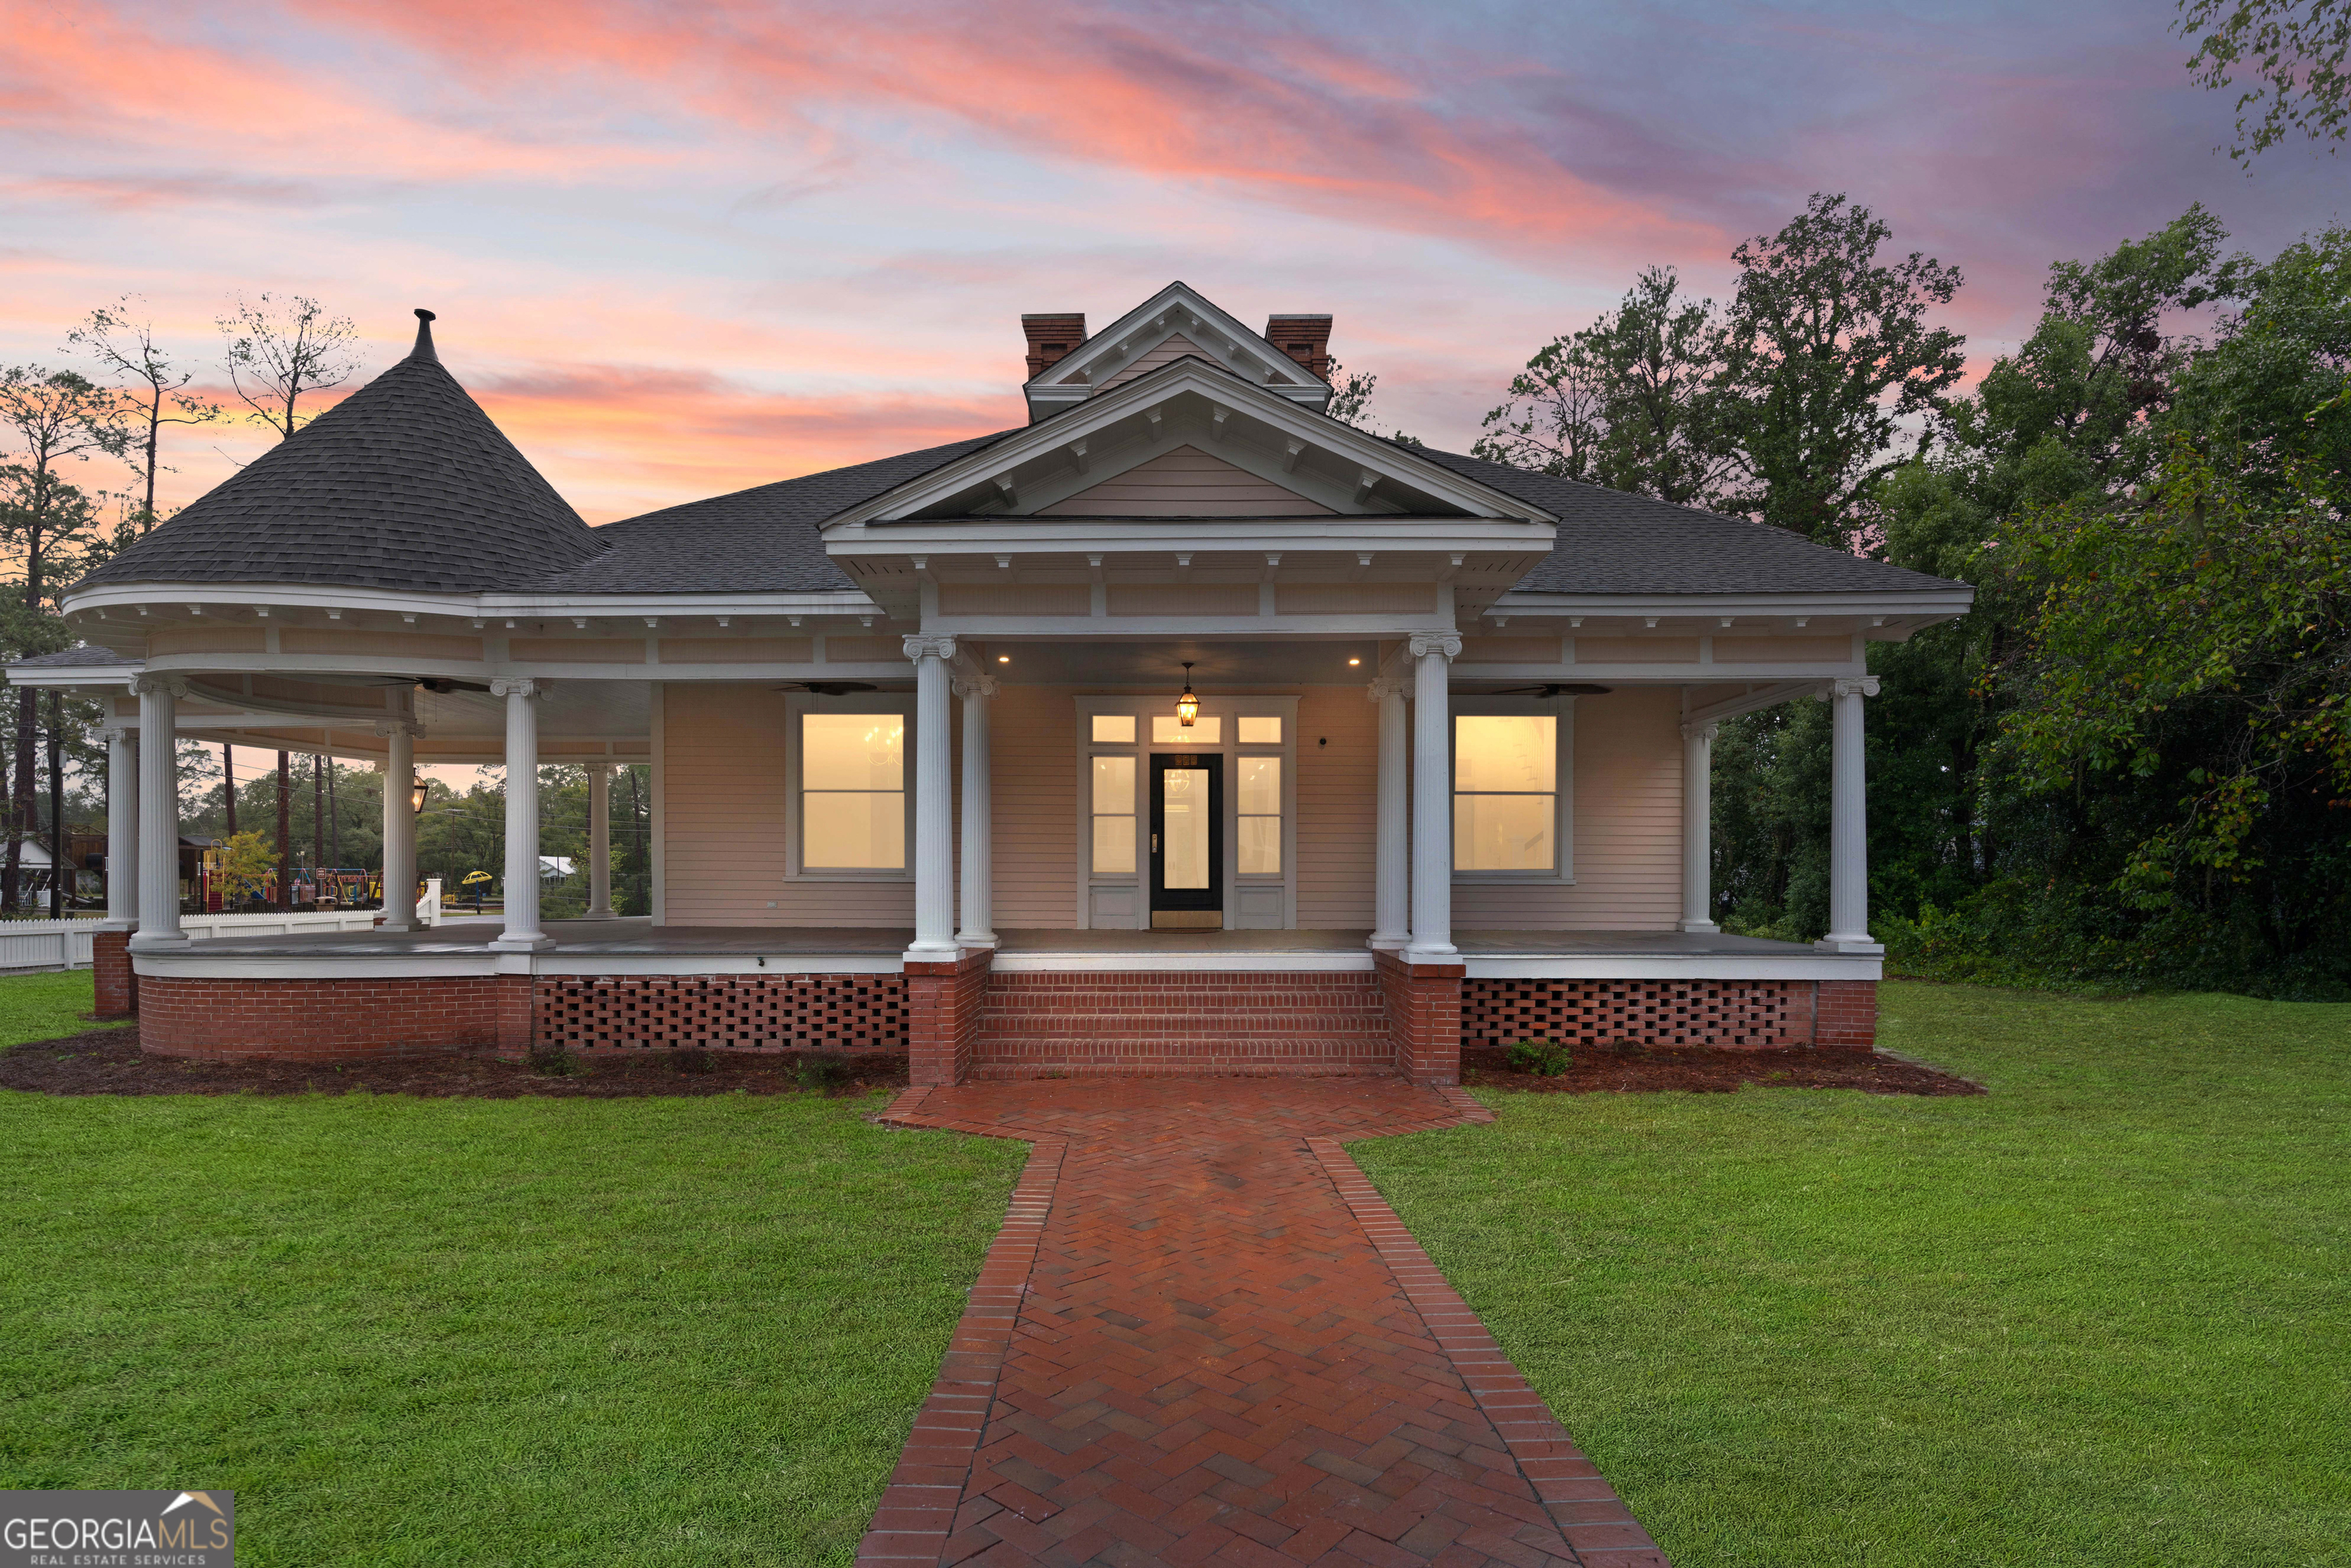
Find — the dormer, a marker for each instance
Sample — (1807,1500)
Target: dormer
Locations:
(1291,358)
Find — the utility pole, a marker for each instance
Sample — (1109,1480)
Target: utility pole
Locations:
(285,833)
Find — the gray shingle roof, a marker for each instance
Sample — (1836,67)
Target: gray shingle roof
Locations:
(72,658)
(404,483)
(760,540)
(1612,542)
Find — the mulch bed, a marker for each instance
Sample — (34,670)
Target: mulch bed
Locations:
(1700,1070)
(107,1062)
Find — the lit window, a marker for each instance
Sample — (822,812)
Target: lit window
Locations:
(1506,792)
(1114,729)
(1167,730)
(852,791)
(1260,731)
(1260,815)
(1113,812)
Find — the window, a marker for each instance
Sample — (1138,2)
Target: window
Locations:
(1113,812)
(1113,729)
(1255,731)
(1206,730)
(852,779)
(1506,792)
(1259,819)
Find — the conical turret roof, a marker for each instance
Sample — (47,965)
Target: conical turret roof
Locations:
(404,483)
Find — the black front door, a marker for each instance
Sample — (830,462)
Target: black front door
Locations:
(1188,841)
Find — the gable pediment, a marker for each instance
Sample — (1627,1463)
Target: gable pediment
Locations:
(1176,322)
(1186,482)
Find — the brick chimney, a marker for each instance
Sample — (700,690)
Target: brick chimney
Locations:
(1306,339)
(1051,337)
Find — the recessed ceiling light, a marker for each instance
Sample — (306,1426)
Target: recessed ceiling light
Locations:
(1003,658)
(1354,661)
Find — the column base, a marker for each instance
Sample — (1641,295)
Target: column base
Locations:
(919,953)
(1388,941)
(599,914)
(975,939)
(537,942)
(1700,927)
(1448,954)
(145,941)
(1860,946)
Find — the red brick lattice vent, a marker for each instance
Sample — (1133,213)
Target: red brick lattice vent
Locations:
(801,1012)
(1740,1014)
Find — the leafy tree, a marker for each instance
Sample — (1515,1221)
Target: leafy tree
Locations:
(279,351)
(124,343)
(1633,402)
(1827,352)
(2267,382)
(2296,50)
(1351,403)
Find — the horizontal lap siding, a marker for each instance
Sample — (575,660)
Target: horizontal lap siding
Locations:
(1338,801)
(1033,768)
(723,819)
(1185,482)
(1628,828)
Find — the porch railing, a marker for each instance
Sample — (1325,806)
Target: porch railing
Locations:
(28,945)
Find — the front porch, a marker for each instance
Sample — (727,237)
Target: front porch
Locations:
(1041,1003)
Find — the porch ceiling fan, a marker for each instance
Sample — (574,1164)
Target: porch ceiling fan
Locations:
(1555,689)
(828,689)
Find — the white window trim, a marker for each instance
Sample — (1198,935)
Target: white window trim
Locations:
(799,703)
(1563,826)
(1231,710)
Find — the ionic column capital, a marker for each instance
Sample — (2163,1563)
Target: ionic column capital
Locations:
(1701,731)
(921,647)
(1423,643)
(1387,687)
(1849,686)
(126,733)
(517,686)
(173,684)
(407,726)
(982,686)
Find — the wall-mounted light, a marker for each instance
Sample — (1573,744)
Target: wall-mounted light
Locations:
(416,797)
(1187,707)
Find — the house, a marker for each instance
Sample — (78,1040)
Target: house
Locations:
(1182,728)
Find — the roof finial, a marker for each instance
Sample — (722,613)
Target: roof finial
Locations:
(424,349)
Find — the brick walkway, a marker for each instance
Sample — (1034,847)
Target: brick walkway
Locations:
(1201,1336)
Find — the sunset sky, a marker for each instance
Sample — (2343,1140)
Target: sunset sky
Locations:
(680,248)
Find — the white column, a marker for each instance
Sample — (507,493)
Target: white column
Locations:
(158,813)
(978,819)
(1849,823)
(399,824)
(522,933)
(1697,826)
(1432,797)
(600,842)
(122,827)
(1392,843)
(934,803)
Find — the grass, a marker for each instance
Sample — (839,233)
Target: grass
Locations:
(2099,1316)
(657,1331)
(45,1007)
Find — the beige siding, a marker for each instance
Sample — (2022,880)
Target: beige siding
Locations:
(1174,348)
(1033,766)
(1337,796)
(723,805)
(1628,835)
(1186,482)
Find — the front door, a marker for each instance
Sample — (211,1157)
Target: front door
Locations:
(1188,841)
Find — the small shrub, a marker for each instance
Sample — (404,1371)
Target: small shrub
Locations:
(820,1072)
(552,1062)
(1543,1058)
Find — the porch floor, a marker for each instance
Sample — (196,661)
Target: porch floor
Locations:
(640,937)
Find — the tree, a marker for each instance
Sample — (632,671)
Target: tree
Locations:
(2296,51)
(1351,403)
(1827,352)
(277,352)
(51,418)
(124,343)
(1633,402)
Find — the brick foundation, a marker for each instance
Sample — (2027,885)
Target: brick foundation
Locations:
(942,1006)
(1131,1023)
(333,1020)
(117,985)
(722,1012)
(1424,1008)
(1729,1015)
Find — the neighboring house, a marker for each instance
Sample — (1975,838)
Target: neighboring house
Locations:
(919,776)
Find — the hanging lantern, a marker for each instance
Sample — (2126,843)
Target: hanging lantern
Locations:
(1187,707)
(417,797)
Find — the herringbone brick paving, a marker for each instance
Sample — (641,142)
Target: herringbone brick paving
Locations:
(1202,1337)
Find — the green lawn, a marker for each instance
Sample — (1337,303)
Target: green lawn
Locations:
(667,1331)
(2101,1316)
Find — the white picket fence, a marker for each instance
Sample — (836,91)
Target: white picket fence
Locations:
(32,945)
